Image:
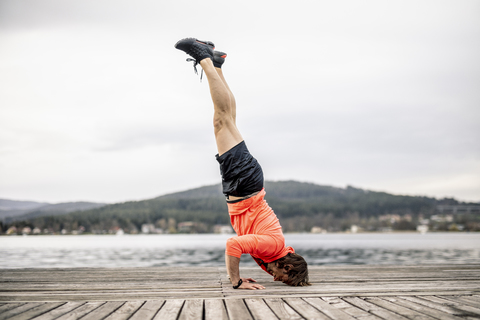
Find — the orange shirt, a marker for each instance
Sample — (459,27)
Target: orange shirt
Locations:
(258,230)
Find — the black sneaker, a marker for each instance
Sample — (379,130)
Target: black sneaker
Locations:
(218,58)
(197,49)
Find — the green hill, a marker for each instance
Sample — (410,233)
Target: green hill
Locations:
(299,206)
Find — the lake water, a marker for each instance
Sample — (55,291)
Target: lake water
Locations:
(208,250)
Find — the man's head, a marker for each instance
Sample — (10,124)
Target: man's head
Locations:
(291,269)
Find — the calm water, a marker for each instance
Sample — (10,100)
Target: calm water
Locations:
(208,250)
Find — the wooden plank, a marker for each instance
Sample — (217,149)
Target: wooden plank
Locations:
(434,305)
(148,310)
(215,309)
(406,312)
(109,296)
(104,310)
(374,309)
(125,311)
(281,309)
(18,310)
(472,300)
(60,311)
(459,304)
(259,309)
(304,309)
(459,308)
(170,283)
(81,311)
(422,309)
(348,308)
(192,309)
(237,310)
(169,310)
(36,311)
(7,306)
(329,310)
(464,299)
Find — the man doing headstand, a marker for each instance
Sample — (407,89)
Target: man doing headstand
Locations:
(258,230)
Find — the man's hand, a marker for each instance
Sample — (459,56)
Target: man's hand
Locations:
(247,284)
(251,286)
(234,274)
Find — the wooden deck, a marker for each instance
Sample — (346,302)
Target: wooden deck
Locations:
(338,292)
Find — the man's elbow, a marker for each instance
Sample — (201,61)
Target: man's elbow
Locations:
(233,249)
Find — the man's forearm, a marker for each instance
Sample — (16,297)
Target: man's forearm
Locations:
(233,268)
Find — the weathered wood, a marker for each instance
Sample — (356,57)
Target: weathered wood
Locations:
(170,310)
(374,309)
(215,309)
(259,309)
(18,310)
(7,306)
(192,310)
(459,304)
(472,300)
(81,311)
(434,305)
(36,311)
(148,310)
(459,308)
(422,309)
(406,312)
(60,311)
(329,310)
(237,310)
(281,309)
(388,292)
(125,311)
(104,310)
(349,309)
(87,284)
(305,309)
(464,300)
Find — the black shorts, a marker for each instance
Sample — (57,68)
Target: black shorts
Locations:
(241,172)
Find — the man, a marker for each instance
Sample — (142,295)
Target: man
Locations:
(258,230)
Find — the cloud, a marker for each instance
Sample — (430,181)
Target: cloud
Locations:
(94,98)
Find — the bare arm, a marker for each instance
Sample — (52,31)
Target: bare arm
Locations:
(233,269)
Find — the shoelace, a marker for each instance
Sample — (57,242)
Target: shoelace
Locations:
(195,62)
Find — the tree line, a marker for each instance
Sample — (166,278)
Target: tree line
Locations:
(299,206)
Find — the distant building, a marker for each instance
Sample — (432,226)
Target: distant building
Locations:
(354,229)
(458,209)
(392,218)
(442,218)
(317,230)
(422,228)
(223,229)
(186,227)
(191,227)
(148,228)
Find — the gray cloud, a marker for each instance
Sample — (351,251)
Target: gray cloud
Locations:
(376,94)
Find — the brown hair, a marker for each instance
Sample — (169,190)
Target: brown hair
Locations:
(298,274)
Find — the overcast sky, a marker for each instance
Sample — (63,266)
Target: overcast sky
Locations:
(97,105)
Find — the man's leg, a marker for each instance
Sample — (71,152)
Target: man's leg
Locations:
(226,133)
(232,98)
